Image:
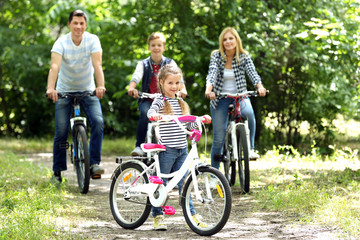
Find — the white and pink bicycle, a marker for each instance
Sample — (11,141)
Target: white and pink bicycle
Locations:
(136,187)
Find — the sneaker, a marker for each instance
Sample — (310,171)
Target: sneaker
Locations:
(159,223)
(96,169)
(253,155)
(137,152)
(197,219)
(56,178)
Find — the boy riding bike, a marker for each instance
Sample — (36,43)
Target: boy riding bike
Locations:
(147,71)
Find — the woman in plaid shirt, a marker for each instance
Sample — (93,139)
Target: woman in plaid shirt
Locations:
(227,69)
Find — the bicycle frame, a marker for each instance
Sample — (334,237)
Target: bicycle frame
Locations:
(149,135)
(233,126)
(163,191)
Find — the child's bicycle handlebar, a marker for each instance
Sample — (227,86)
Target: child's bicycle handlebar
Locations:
(194,134)
(187,118)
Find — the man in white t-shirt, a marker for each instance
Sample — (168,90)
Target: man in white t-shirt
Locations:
(75,58)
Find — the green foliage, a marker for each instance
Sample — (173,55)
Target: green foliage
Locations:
(29,205)
(300,48)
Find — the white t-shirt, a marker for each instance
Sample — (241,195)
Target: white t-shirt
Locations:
(229,85)
(76,70)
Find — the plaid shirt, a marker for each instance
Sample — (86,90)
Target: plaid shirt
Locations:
(215,75)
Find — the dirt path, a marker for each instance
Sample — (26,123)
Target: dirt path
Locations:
(246,221)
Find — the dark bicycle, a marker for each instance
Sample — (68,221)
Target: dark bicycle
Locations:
(237,143)
(80,156)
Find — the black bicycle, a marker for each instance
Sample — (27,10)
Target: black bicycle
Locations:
(237,143)
(79,149)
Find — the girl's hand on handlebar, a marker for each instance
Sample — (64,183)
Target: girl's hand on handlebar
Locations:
(100,92)
(52,94)
(155,117)
(206,119)
(133,92)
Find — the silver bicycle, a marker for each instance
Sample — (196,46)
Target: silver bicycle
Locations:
(135,188)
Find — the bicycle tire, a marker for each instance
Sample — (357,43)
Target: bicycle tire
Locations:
(215,209)
(243,161)
(229,164)
(82,160)
(133,212)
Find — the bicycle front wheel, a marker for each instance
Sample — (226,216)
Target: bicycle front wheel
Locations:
(208,215)
(129,211)
(228,160)
(229,164)
(243,162)
(82,160)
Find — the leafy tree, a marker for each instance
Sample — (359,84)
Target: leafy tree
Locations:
(307,53)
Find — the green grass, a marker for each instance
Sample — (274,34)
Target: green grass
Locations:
(311,188)
(29,205)
(317,189)
(118,147)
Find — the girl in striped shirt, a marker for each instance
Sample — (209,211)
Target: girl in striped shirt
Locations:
(171,135)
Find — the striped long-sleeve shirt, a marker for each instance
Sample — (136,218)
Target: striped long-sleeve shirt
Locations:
(171,135)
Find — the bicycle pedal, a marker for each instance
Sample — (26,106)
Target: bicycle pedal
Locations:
(96,176)
(155,180)
(169,210)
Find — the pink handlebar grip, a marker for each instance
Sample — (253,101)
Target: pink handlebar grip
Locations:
(203,119)
(151,118)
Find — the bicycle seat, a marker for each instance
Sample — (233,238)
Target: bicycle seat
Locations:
(152,147)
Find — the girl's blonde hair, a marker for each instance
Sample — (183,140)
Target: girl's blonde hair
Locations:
(239,47)
(164,72)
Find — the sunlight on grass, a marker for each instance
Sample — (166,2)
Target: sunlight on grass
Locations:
(30,207)
(318,189)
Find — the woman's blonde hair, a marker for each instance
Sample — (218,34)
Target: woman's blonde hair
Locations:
(239,47)
(164,72)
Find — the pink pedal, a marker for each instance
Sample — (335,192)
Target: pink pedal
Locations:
(169,210)
(155,180)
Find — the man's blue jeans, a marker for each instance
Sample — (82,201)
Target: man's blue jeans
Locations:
(63,110)
(219,121)
(144,105)
(170,161)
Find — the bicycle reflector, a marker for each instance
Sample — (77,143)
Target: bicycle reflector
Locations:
(127,177)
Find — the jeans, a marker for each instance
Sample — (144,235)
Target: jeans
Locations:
(220,120)
(170,161)
(63,110)
(142,126)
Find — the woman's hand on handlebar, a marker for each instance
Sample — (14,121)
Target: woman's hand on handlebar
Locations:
(210,95)
(52,94)
(262,91)
(133,92)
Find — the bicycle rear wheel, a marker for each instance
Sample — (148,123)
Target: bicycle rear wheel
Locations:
(129,211)
(243,162)
(82,158)
(215,205)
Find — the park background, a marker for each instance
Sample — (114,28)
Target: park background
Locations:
(307,53)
